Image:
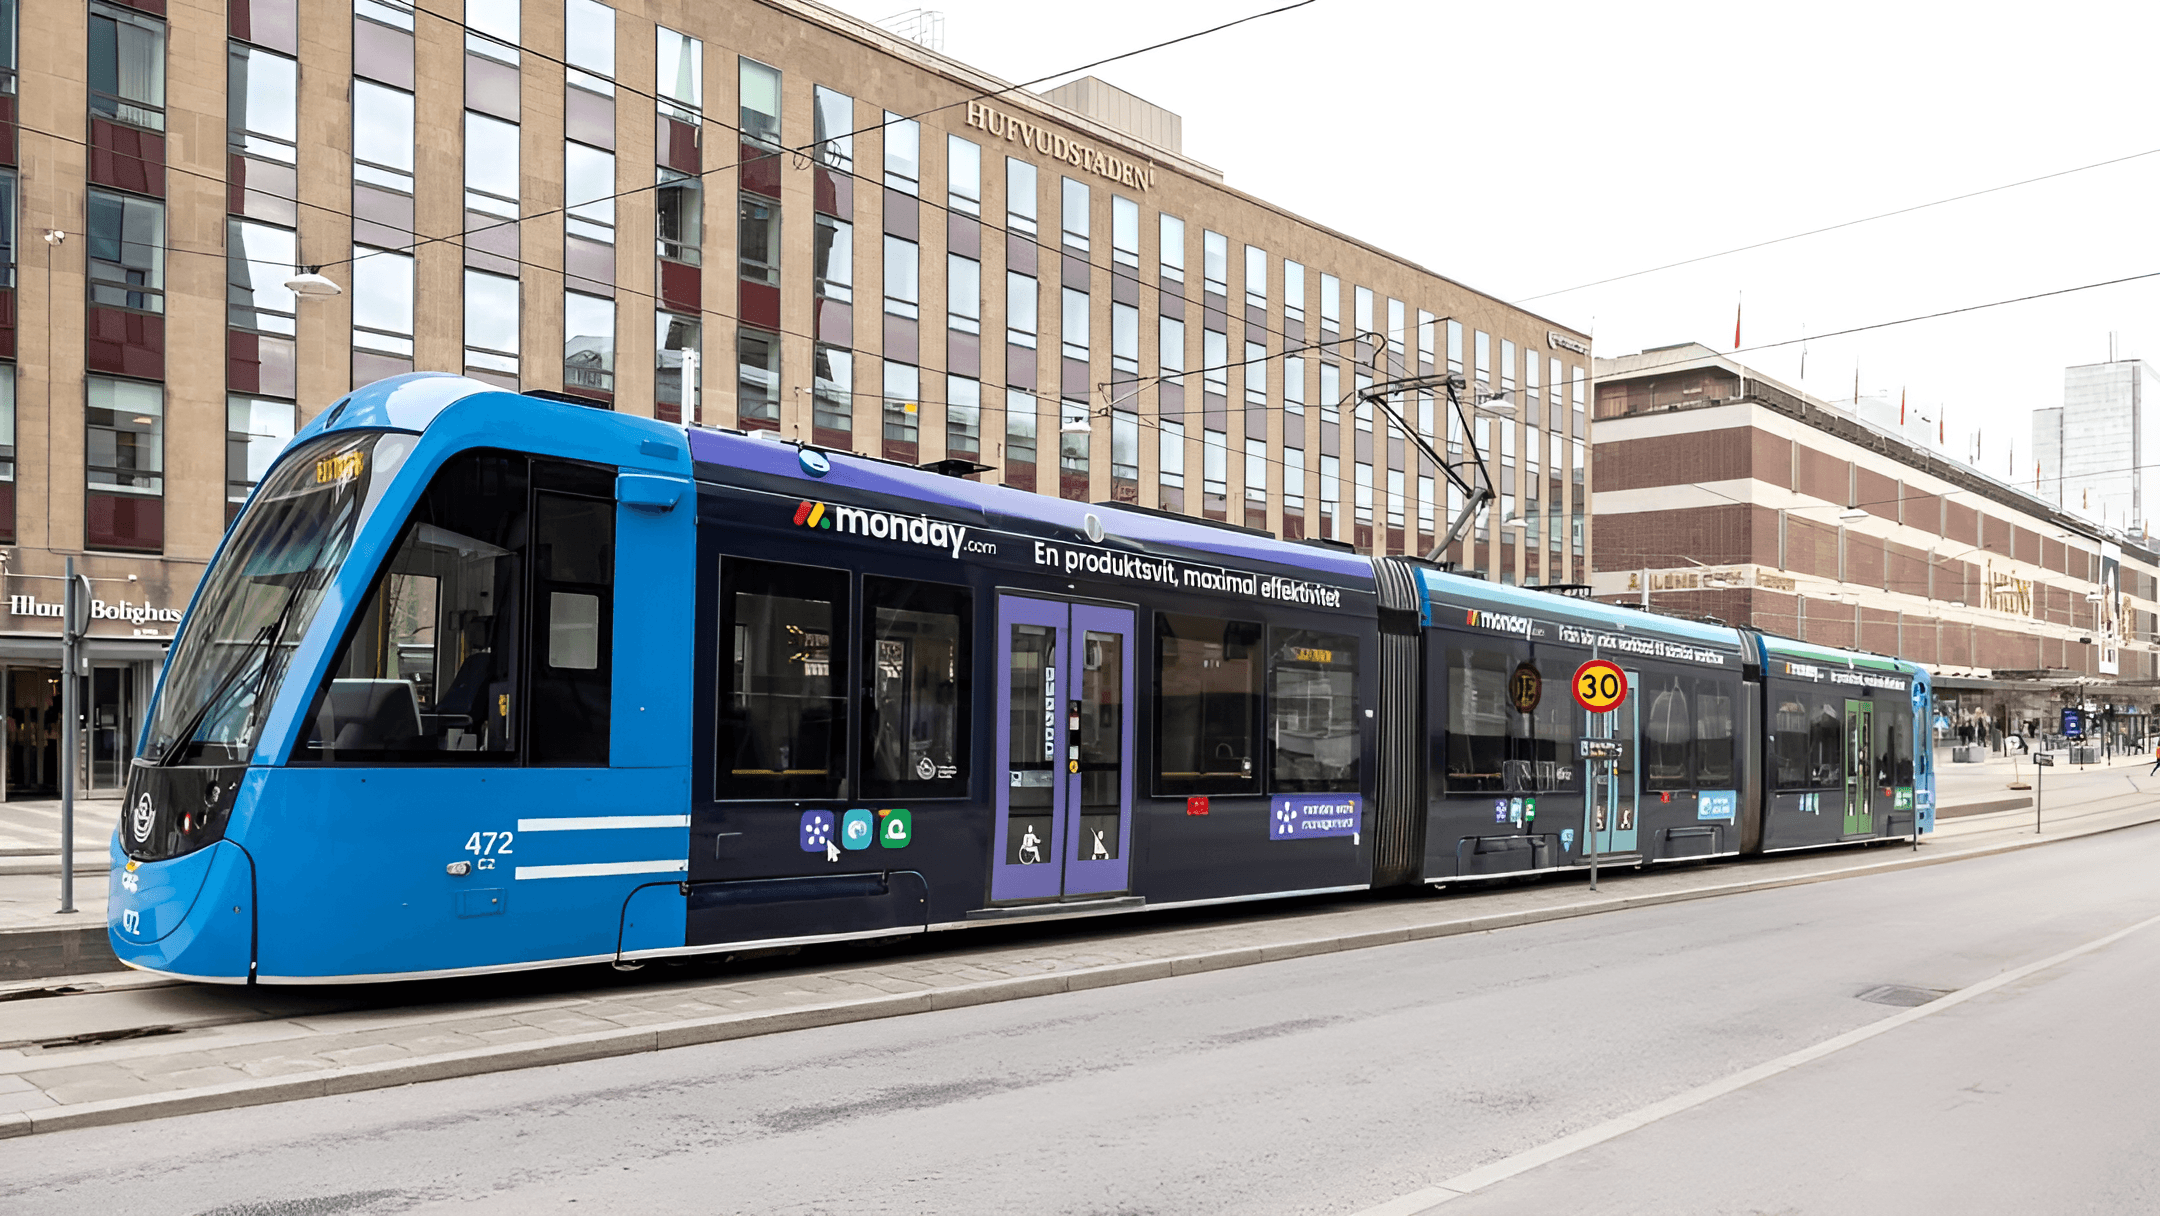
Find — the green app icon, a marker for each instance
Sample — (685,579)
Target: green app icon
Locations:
(895,828)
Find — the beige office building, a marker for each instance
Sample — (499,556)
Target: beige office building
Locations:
(928,265)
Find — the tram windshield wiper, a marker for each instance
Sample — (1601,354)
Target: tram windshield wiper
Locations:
(186,745)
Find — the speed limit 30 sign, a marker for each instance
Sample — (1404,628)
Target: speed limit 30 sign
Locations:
(1599,685)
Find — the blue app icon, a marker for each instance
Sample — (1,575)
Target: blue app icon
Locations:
(816,830)
(858,828)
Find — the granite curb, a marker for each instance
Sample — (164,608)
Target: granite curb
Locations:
(724,1027)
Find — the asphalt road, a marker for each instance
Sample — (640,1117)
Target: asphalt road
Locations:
(1329,1085)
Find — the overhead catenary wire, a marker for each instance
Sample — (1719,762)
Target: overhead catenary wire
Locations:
(1852,223)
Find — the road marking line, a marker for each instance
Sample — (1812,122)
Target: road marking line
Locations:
(594,823)
(603,868)
(1508,1167)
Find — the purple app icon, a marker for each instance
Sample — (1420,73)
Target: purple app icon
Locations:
(816,830)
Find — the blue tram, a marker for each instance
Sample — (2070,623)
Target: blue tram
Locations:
(480,681)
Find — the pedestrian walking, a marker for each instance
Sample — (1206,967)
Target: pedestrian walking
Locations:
(2156,761)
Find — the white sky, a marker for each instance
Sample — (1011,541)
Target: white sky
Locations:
(1521,149)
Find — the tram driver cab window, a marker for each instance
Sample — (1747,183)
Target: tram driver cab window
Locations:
(471,618)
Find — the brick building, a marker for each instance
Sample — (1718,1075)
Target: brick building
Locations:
(1724,493)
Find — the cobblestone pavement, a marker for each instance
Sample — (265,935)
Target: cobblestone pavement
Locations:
(204,1061)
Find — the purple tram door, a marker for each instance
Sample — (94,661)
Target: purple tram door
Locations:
(1064,744)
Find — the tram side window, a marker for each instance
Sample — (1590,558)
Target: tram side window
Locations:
(1668,732)
(1312,741)
(430,671)
(1207,706)
(1478,720)
(1714,734)
(1826,742)
(1790,729)
(1893,745)
(916,666)
(782,729)
(573,596)
(1554,764)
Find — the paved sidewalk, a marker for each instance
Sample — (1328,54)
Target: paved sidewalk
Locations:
(222,1055)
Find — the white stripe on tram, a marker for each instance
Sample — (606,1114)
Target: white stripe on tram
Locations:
(596,823)
(600,869)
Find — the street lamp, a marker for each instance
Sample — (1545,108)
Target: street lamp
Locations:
(312,284)
(1851,515)
(1498,404)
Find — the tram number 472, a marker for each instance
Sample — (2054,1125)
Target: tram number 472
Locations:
(487,846)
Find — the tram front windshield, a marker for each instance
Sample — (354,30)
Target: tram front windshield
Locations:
(259,598)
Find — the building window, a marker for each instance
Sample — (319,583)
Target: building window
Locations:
(588,343)
(1255,277)
(1124,231)
(383,137)
(127,251)
(1363,474)
(1361,383)
(1125,339)
(589,36)
(679,217)
(382,288)
(1484,358)
(1395,498)
(255,432)
(262,104)
(1331,493)
(1171,459)
(760,107)
(833,125)
(1073,445)
(1293,480)
(1454,346)
(1073,323)
(1172,251)
(1293,291)
(903,153)
(1364,318)
(903,286)
(757,378)
(1256,463)
(963,176)
(7,443)
(903,402)
(1020,303)
(124,455)
(677,340)
(1019,427)
(491,165)
(832,390)
(127,66)
(1255,371)
(1214,362)
(833,272)
(680,68)
(498,19)
(258,260)
(1020,197)
(1170,348)
(589,192)
(1330,304)
(1073,213)
(1330,393)
(1507,366)
(491,322)
(1214,462)
(1124,445)
(963,416)
(1214,263)
(757,236)
(1293,384)
(1395,326)
(1425,504)
(963,294)
(1425,336)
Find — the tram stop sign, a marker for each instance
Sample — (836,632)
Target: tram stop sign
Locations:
(1599,685)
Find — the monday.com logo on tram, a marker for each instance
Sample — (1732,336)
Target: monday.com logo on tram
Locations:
(882,525)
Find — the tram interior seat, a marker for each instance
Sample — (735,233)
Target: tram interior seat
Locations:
(460,703)
(370,715)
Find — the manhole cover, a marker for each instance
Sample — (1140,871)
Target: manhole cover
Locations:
(1899,994)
